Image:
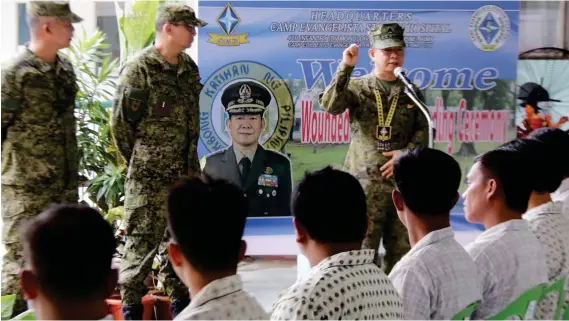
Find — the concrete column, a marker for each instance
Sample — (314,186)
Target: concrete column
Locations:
(563,27)
(193,51)
(86,10)
(9,29)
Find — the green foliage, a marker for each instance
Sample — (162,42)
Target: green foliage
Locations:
(95,85)
(95,70)
(8,302)
(115,213)
(26,315)
(109,185)
(137,26)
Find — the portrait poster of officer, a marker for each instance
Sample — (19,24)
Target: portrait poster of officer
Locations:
(264,175)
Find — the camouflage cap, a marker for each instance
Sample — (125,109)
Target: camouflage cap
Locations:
(386,36)
(175,13)
(57,9)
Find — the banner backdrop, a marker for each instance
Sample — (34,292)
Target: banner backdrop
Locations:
(462,54)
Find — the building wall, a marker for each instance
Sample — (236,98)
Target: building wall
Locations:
(96,14)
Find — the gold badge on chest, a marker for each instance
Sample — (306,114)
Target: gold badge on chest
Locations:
(383,131)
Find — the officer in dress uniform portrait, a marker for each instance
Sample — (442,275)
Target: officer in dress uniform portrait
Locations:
(265,176)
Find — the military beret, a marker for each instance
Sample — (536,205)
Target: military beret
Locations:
(178,13)
(386,36)
(57,9)
(245,97)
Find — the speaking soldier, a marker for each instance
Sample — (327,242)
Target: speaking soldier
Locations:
(384,121)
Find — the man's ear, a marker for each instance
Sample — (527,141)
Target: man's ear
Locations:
(491,188)
(455,200)
(175,253)
(167,28)
(398,200)
(371,54)
(263,123)
(242,250)
(300,231)
(29,284)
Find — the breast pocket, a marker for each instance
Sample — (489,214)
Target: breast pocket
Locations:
(404,122)
(136,100)
(162,107)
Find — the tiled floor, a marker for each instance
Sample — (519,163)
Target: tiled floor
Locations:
(265,278)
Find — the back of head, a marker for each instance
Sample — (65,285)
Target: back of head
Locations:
(505,165)
(70,249)
(542,170)
(206,217)
(331,205)
(428,180)
(557,143)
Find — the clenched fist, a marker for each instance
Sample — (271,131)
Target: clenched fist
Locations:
(350,56)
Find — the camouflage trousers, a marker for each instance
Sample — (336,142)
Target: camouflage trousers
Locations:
(385,224)
(146,236)
(19,205)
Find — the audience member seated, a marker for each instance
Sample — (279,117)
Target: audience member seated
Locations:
(206,219)
(437,278)
(557,142)
(330,220)
(509,257)
(68,250)
(544,216)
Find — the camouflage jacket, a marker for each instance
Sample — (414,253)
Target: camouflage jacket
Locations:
(409,126)
(39,146)
(155,121)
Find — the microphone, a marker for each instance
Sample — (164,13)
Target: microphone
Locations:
(400,73)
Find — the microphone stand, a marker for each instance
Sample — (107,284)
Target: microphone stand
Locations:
(426,113)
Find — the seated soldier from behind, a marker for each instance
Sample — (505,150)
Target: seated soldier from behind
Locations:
(344,282)
(557,142)
(437,278)
(206,219)
(509,257)
(68,250)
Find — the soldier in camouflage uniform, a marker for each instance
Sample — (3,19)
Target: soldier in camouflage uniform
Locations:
(384,121)
(39,146)
(155,125)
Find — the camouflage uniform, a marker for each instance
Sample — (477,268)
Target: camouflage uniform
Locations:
(39,146)
(409,128)
(155,125)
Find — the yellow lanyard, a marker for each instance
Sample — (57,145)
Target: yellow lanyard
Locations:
(380,109)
